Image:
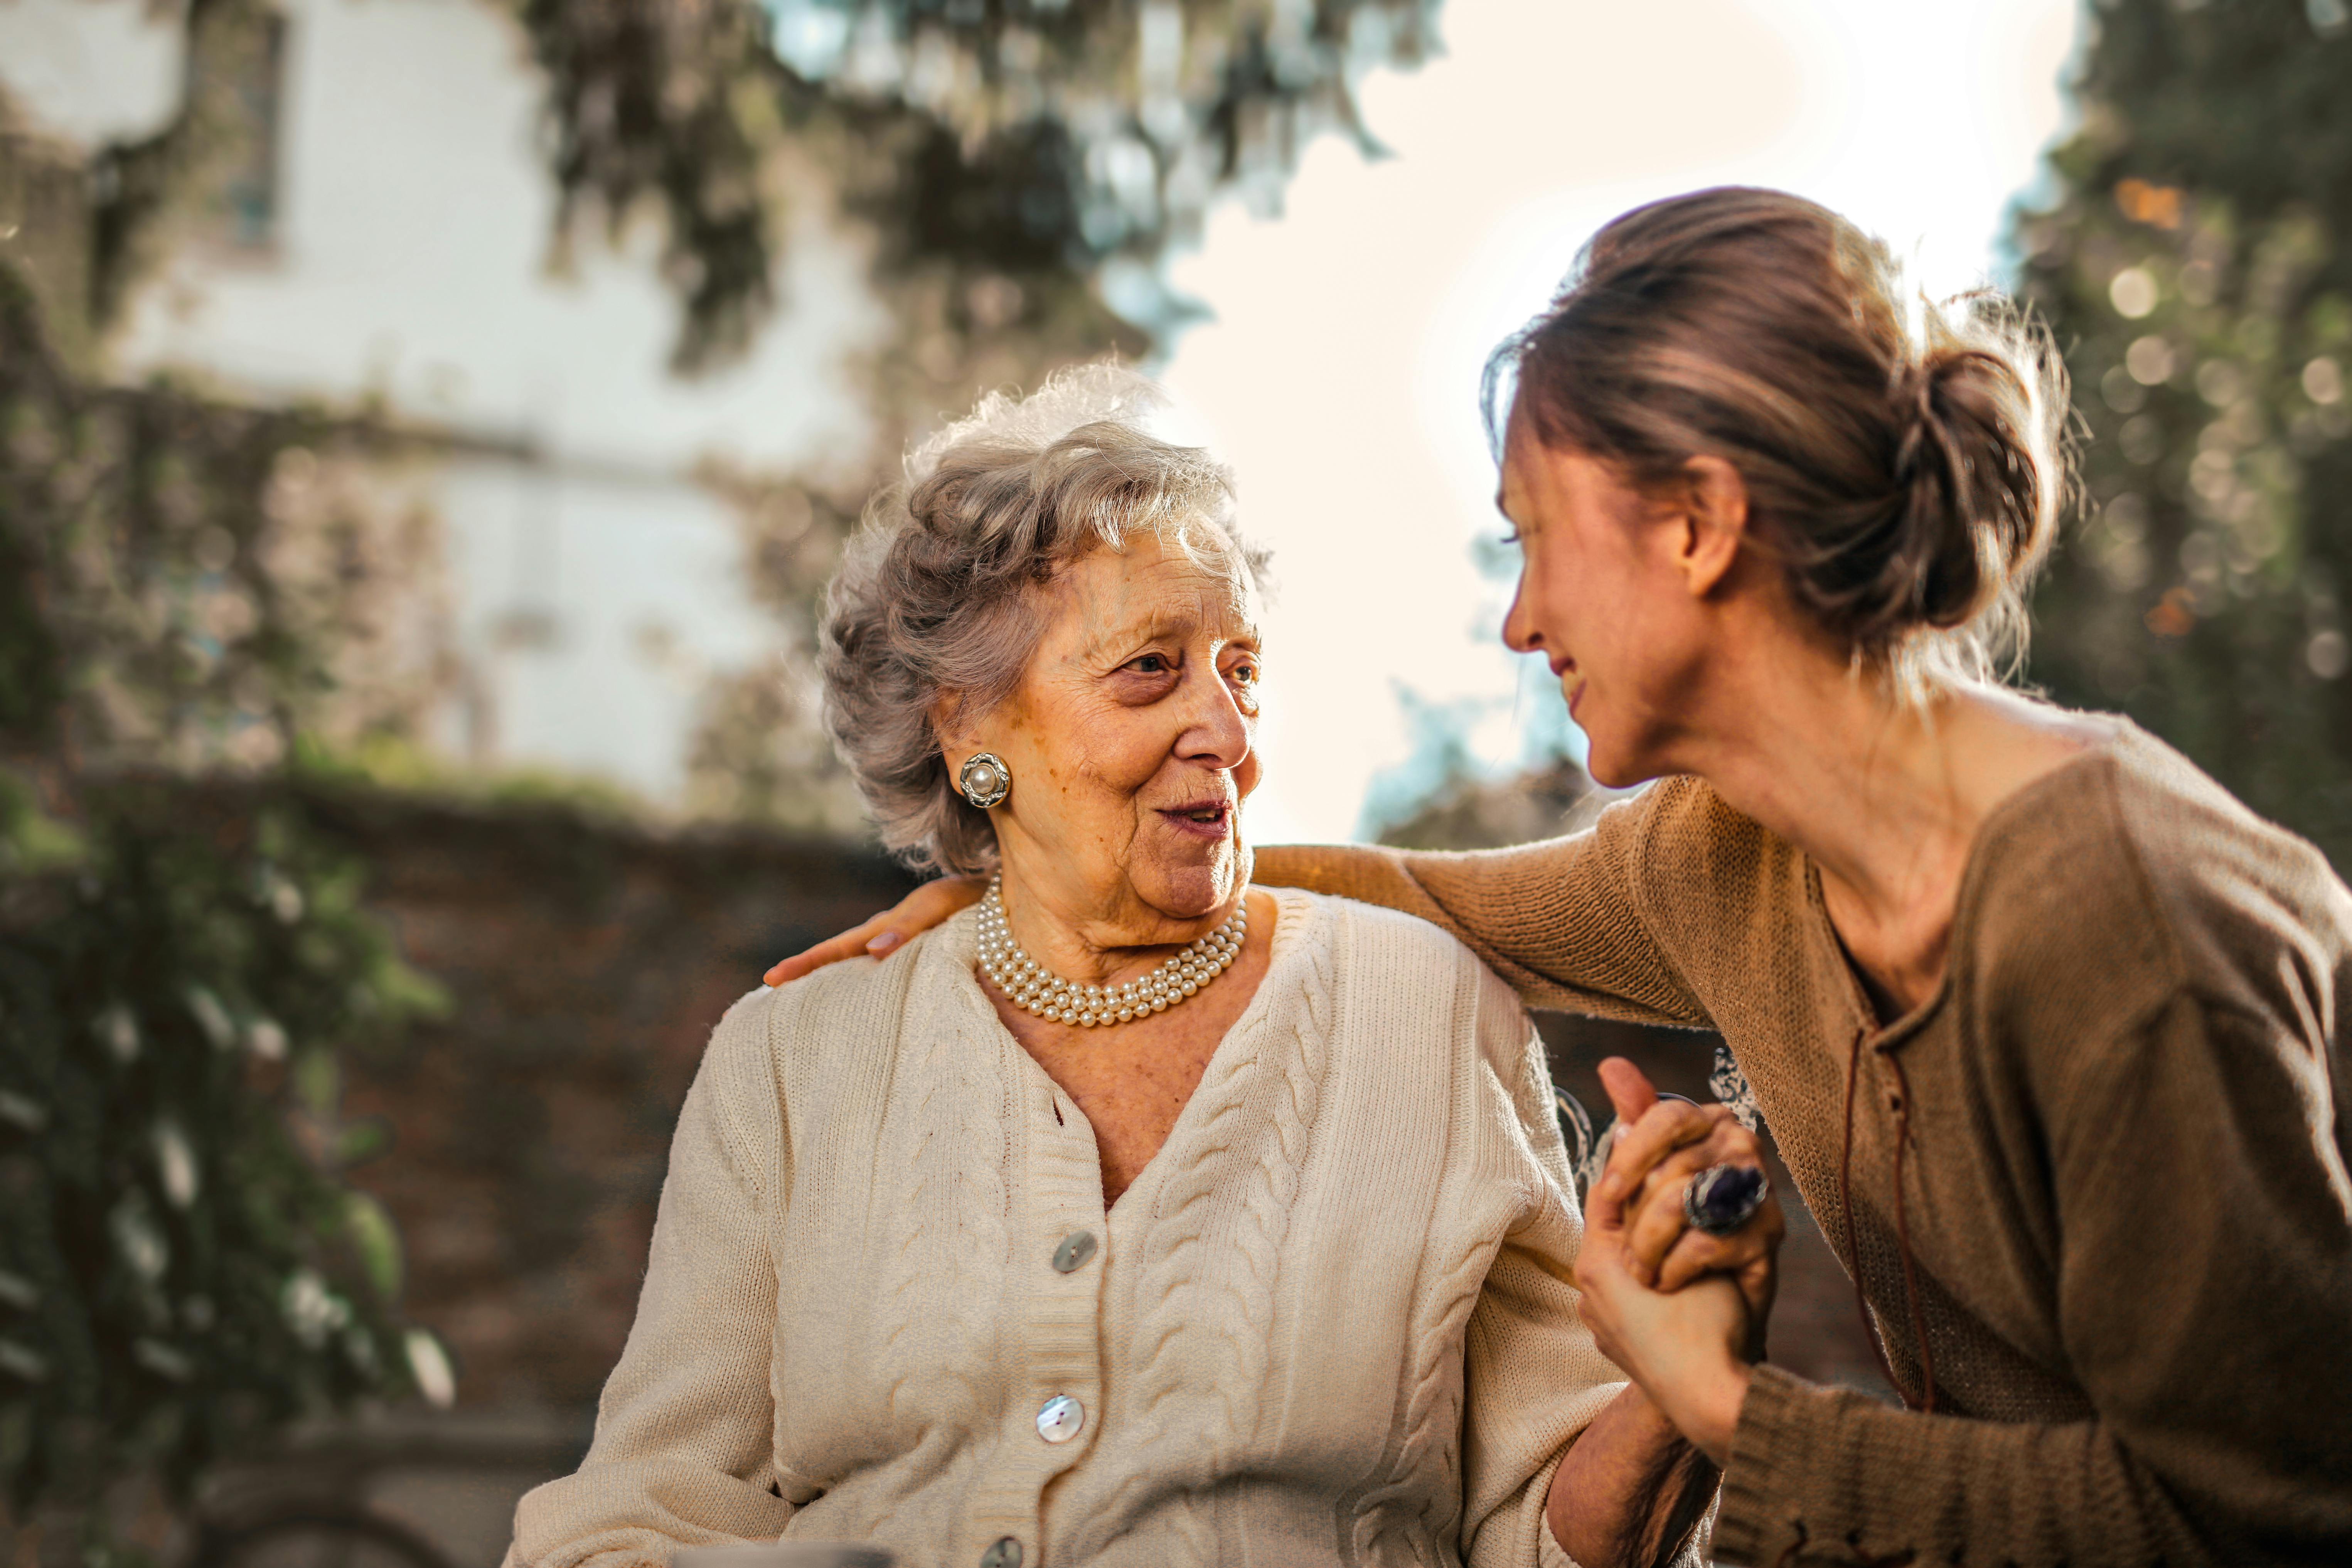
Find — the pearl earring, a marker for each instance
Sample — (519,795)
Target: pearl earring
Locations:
(985,781)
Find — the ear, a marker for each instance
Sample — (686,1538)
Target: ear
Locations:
(948,727)
(1714,523)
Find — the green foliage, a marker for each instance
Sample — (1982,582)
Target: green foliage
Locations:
(2198,271)
(1035,141)
(181,1265)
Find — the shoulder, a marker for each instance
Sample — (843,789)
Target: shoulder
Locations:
(1381,948)
(1387,963)
(844,1014)
(2129,879)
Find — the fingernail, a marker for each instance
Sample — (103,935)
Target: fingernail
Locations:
(888,941)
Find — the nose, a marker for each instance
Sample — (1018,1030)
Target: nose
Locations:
(1217,732)
(1520,632)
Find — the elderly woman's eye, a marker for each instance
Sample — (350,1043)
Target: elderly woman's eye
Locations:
(1150,663)
(1245,674)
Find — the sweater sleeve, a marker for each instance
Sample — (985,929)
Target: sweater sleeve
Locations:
(685,1430)
(1558,918)
(2205,1300)
(1534,1378)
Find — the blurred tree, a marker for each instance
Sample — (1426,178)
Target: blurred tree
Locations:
(183,1268)
(188,586)
(1044,142)
(182,588)
(2198,271)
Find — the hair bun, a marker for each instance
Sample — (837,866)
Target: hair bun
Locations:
(1974,510)
(1903,459)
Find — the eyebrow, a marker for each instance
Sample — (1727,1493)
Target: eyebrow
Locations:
(1163,625)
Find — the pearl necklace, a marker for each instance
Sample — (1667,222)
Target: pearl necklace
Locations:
(1033,988)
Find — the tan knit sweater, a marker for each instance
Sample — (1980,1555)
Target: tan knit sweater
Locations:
(2124,1184)
(1331,1322)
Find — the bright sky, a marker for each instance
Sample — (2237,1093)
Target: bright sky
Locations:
(1340,373)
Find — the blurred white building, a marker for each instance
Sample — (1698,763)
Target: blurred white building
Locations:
(393,248)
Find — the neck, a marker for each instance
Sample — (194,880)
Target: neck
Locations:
(1885,796)
(1868,786)
(1100,937)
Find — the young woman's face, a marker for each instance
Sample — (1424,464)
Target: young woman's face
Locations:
(1602,598)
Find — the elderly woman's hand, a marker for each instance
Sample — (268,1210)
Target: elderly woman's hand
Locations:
(1660,1146)
(916,913)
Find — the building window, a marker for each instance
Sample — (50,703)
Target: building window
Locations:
(236,81)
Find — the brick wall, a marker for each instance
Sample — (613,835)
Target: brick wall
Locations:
(586,963)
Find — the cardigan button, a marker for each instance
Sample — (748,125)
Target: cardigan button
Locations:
(1060,1420)
(1005,1553)
(1075,1248)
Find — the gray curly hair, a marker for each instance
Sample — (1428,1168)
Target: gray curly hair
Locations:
(939,596)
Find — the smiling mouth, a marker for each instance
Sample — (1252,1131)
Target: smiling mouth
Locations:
(1209,821)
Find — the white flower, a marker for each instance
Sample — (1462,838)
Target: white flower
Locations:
(139,1241)
(162,1360)
(22,1361)
(212,1017)
(436,1380)
(312,1310)
(118,1030)
(265,1039)
(176,1160)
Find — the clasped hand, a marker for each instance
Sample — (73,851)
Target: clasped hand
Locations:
(1683,1312)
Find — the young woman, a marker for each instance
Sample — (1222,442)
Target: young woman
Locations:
(2052,1032)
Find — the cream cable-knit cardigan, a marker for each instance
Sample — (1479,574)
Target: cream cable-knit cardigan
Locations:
(1332,1322)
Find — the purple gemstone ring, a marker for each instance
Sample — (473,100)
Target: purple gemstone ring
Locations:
(1722,1198)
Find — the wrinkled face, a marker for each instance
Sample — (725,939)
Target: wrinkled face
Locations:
(1601,598)
(1131,741)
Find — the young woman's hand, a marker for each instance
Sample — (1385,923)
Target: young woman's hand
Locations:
(916,913)
(1685,1349)
(1682,1311)
(1660,1145)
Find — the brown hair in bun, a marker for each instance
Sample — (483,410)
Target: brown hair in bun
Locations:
(1905,460)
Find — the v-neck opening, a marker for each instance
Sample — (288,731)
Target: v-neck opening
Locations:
(1284,943)
(1252,1020)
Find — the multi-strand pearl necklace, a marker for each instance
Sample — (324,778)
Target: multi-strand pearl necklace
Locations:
(1033,988)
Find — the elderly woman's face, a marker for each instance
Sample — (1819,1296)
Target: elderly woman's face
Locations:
(1132,740)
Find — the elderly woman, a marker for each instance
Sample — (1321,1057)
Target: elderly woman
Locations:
(1109,1223)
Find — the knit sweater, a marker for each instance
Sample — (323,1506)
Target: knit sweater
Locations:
(2123,1183)
(1330,1322)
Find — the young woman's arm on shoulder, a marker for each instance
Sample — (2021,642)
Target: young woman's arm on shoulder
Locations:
(1557,918)
(685,1429)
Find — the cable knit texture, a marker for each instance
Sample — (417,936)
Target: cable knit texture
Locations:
(2125,1182)
(1331,1322)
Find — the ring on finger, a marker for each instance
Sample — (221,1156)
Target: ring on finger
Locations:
(1722,1198)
